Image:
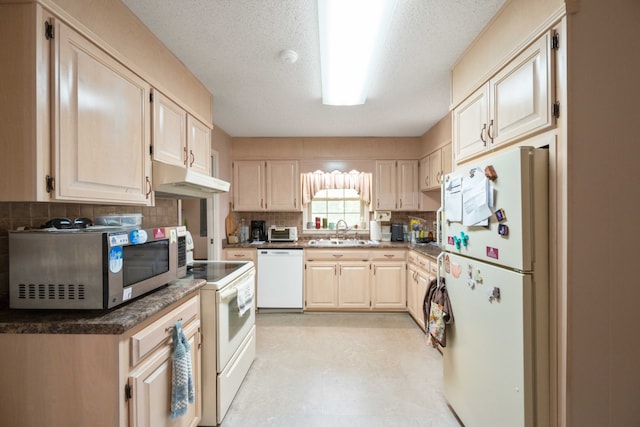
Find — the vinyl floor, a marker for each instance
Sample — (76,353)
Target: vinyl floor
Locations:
(341,369)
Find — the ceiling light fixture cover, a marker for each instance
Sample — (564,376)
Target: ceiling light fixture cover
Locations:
(352,33)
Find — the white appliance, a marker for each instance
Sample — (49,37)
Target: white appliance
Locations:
(228,338)
(496,362)
(280,278)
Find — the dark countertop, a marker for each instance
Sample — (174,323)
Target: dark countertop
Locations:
(107,322)
(423,248)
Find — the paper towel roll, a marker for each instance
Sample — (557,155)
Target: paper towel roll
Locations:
(375,232)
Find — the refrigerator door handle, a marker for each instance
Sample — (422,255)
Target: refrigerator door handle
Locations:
(438,225)
(439,260)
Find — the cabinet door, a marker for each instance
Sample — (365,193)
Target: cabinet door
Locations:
(101,125)
(470,124)
(389,285)
(411,290)
(283,186)
(321,285)
(169,136)
(248,186)
(421,285)
(408,185)
(151,387)
(385,185)
(198,146)
(353,285)
(447,161)
(521,94)
(435,169)
(424,173)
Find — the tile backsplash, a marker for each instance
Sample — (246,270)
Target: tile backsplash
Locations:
(33,215)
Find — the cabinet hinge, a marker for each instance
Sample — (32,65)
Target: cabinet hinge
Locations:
(128,392)
(555,41)
(48,31)
(556,109)
(151,150)
(51,183)
(151,97)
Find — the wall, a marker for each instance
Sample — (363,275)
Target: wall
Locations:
(128,39)
(603,375)
(25,214)
(330,154)
(437,136)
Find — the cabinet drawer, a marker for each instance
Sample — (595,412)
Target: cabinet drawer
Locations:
(388,255)
(412,257)
(423,262)
(160,331)
(333,255)
(240,254)
(433,269)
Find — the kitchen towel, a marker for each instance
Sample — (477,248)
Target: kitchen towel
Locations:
(182,388)
(245,297)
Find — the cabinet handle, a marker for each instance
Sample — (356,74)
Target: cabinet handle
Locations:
(337,255)
(489,131)
(192,157)
(238,255)
(388,255)
(482,138)
(148,193)
(335,270)
(400,203)
(426,181)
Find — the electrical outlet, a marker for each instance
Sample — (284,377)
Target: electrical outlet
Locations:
(382,215)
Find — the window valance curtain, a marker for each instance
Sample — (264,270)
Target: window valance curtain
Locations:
(313,182)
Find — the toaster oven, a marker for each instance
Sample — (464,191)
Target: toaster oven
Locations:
(282,234)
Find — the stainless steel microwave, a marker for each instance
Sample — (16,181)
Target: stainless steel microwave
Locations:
(89,268)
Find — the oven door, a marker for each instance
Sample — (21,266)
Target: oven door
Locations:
(232,328)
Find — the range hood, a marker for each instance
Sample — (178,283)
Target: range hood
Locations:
(178,182)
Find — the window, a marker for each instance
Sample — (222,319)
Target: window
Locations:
(337,204)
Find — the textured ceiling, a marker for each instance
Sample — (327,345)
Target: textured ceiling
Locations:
(233,47)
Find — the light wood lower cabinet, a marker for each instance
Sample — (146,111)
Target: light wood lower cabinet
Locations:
(79,380)
(241,254)
(355,280)
(337,279)
(420,272)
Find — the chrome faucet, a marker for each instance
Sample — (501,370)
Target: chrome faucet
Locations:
(341,230)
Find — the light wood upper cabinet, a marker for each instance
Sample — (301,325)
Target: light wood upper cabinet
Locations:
(515,103)
(396,185)
(199,146)
(77,122)
(179,138)
(433,167)
(248,185)
(272,185)
(169,130)
(282,185)
(101,125)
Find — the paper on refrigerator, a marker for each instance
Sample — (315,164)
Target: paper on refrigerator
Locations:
(453,200)
(476,199)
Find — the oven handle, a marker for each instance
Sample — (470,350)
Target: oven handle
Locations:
(228,294)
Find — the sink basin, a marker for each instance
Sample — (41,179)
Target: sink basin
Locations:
(343,243)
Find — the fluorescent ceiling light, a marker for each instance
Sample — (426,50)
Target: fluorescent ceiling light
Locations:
(352,33)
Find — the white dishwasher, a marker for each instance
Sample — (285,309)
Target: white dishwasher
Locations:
(280,279)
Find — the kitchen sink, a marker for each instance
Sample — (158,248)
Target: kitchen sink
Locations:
(343,243)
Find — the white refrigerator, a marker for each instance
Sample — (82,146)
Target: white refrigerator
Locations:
(495,265)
